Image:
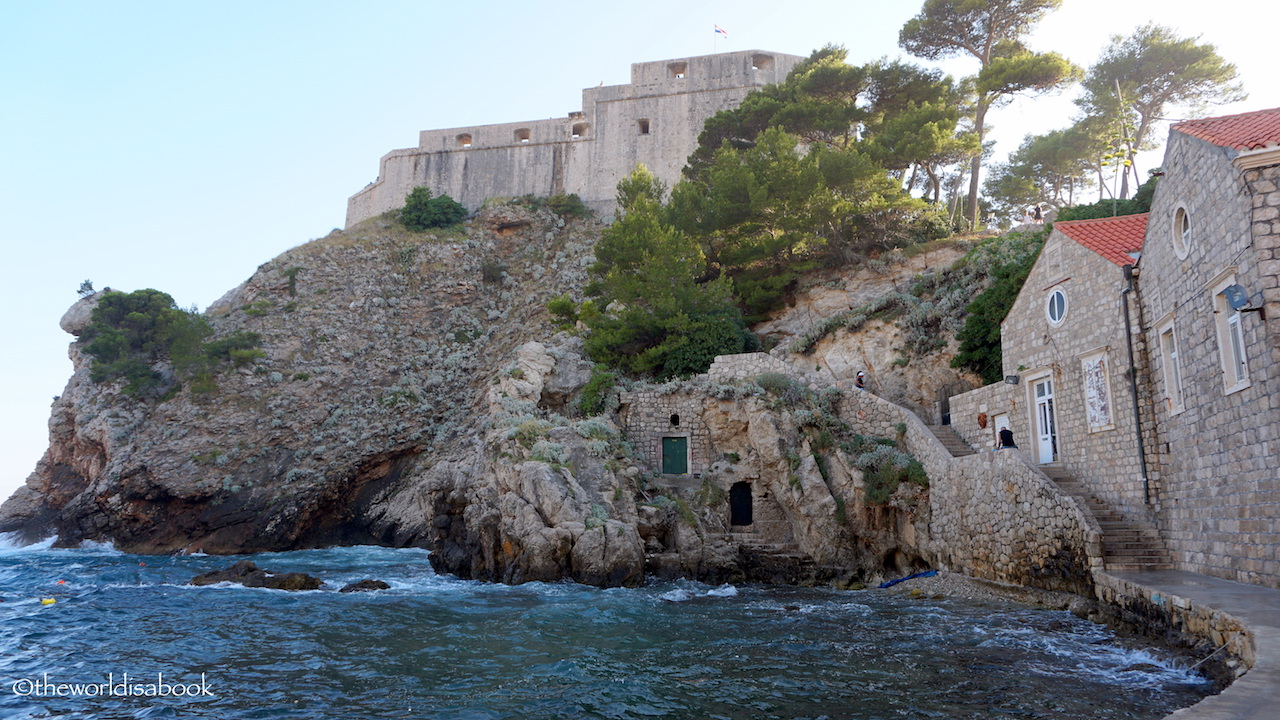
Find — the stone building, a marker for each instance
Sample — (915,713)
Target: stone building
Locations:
(1210,280)
(655,120)
(1200,460)
(1066,362)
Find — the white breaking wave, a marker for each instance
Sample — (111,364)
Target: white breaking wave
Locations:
(10,545)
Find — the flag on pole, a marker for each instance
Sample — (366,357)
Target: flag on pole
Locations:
(720,30)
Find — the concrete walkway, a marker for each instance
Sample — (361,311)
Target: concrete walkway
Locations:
(1256,696)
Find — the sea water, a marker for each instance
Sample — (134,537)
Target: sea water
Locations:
(435,646)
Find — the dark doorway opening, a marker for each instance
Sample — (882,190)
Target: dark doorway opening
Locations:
(740,503)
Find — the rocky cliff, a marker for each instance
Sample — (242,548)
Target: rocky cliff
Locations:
(412,392)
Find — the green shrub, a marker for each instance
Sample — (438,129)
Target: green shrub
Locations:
(568,205)
(422,212)
(564,312)
(529,432)
(128,333)
(292,274)
(258,309)
(597,394)
(980,349)
(492,270)
(551,453)
(884,467)
(242,357)
(1139,203)
(783,387)
(239,340)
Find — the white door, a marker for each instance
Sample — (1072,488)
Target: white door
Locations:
(1046,424)
(1000,422)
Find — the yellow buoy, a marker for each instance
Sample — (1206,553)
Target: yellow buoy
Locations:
(47,601)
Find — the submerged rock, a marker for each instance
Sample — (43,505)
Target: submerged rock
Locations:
(364,586)
(247,573)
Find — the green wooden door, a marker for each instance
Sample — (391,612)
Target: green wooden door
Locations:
(675,455)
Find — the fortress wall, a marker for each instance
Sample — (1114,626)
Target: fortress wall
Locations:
(473,175)
(499,135)
(499,162)
(674,123)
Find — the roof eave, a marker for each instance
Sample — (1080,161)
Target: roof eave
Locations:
(1262,157)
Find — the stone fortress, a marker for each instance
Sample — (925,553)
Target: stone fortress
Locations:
(655,120)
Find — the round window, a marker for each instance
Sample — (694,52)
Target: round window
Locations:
(1182,233)
(1057,307)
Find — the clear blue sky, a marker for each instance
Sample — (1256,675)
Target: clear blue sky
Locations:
(179,145)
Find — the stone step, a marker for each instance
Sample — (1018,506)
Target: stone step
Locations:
(765,547)
(1130,542)
(1139,565)
(1126,544)
(951,440)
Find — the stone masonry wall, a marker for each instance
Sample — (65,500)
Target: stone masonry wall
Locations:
(993,514)
(647,419)
(991,400)
(1219,505)
(1264,191)
(746,366)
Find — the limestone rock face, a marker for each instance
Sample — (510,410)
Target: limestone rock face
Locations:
(379,346)
(413,393)
(77,317)
(875,348)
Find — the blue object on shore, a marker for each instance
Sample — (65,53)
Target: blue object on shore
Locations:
(891,583)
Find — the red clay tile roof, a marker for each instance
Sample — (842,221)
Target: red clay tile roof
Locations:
(1247,131)
(1112,238)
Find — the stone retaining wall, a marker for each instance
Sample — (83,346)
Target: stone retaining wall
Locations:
(993,514)
(1155,611)
(747,366)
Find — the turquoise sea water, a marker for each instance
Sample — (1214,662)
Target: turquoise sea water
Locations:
(439,647)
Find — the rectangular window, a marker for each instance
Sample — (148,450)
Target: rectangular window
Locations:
(1097,392)
(1172,370)
(1238,362)
(1231,345)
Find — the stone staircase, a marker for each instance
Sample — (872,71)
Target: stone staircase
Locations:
(774,562)
(951,440)
(1127,543)
(757,544)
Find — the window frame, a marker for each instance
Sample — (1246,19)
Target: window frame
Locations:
(1048,306)
(1233,351)
(1182,232)
(1171,360)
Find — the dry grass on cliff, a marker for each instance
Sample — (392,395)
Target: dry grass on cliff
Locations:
(380,229)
